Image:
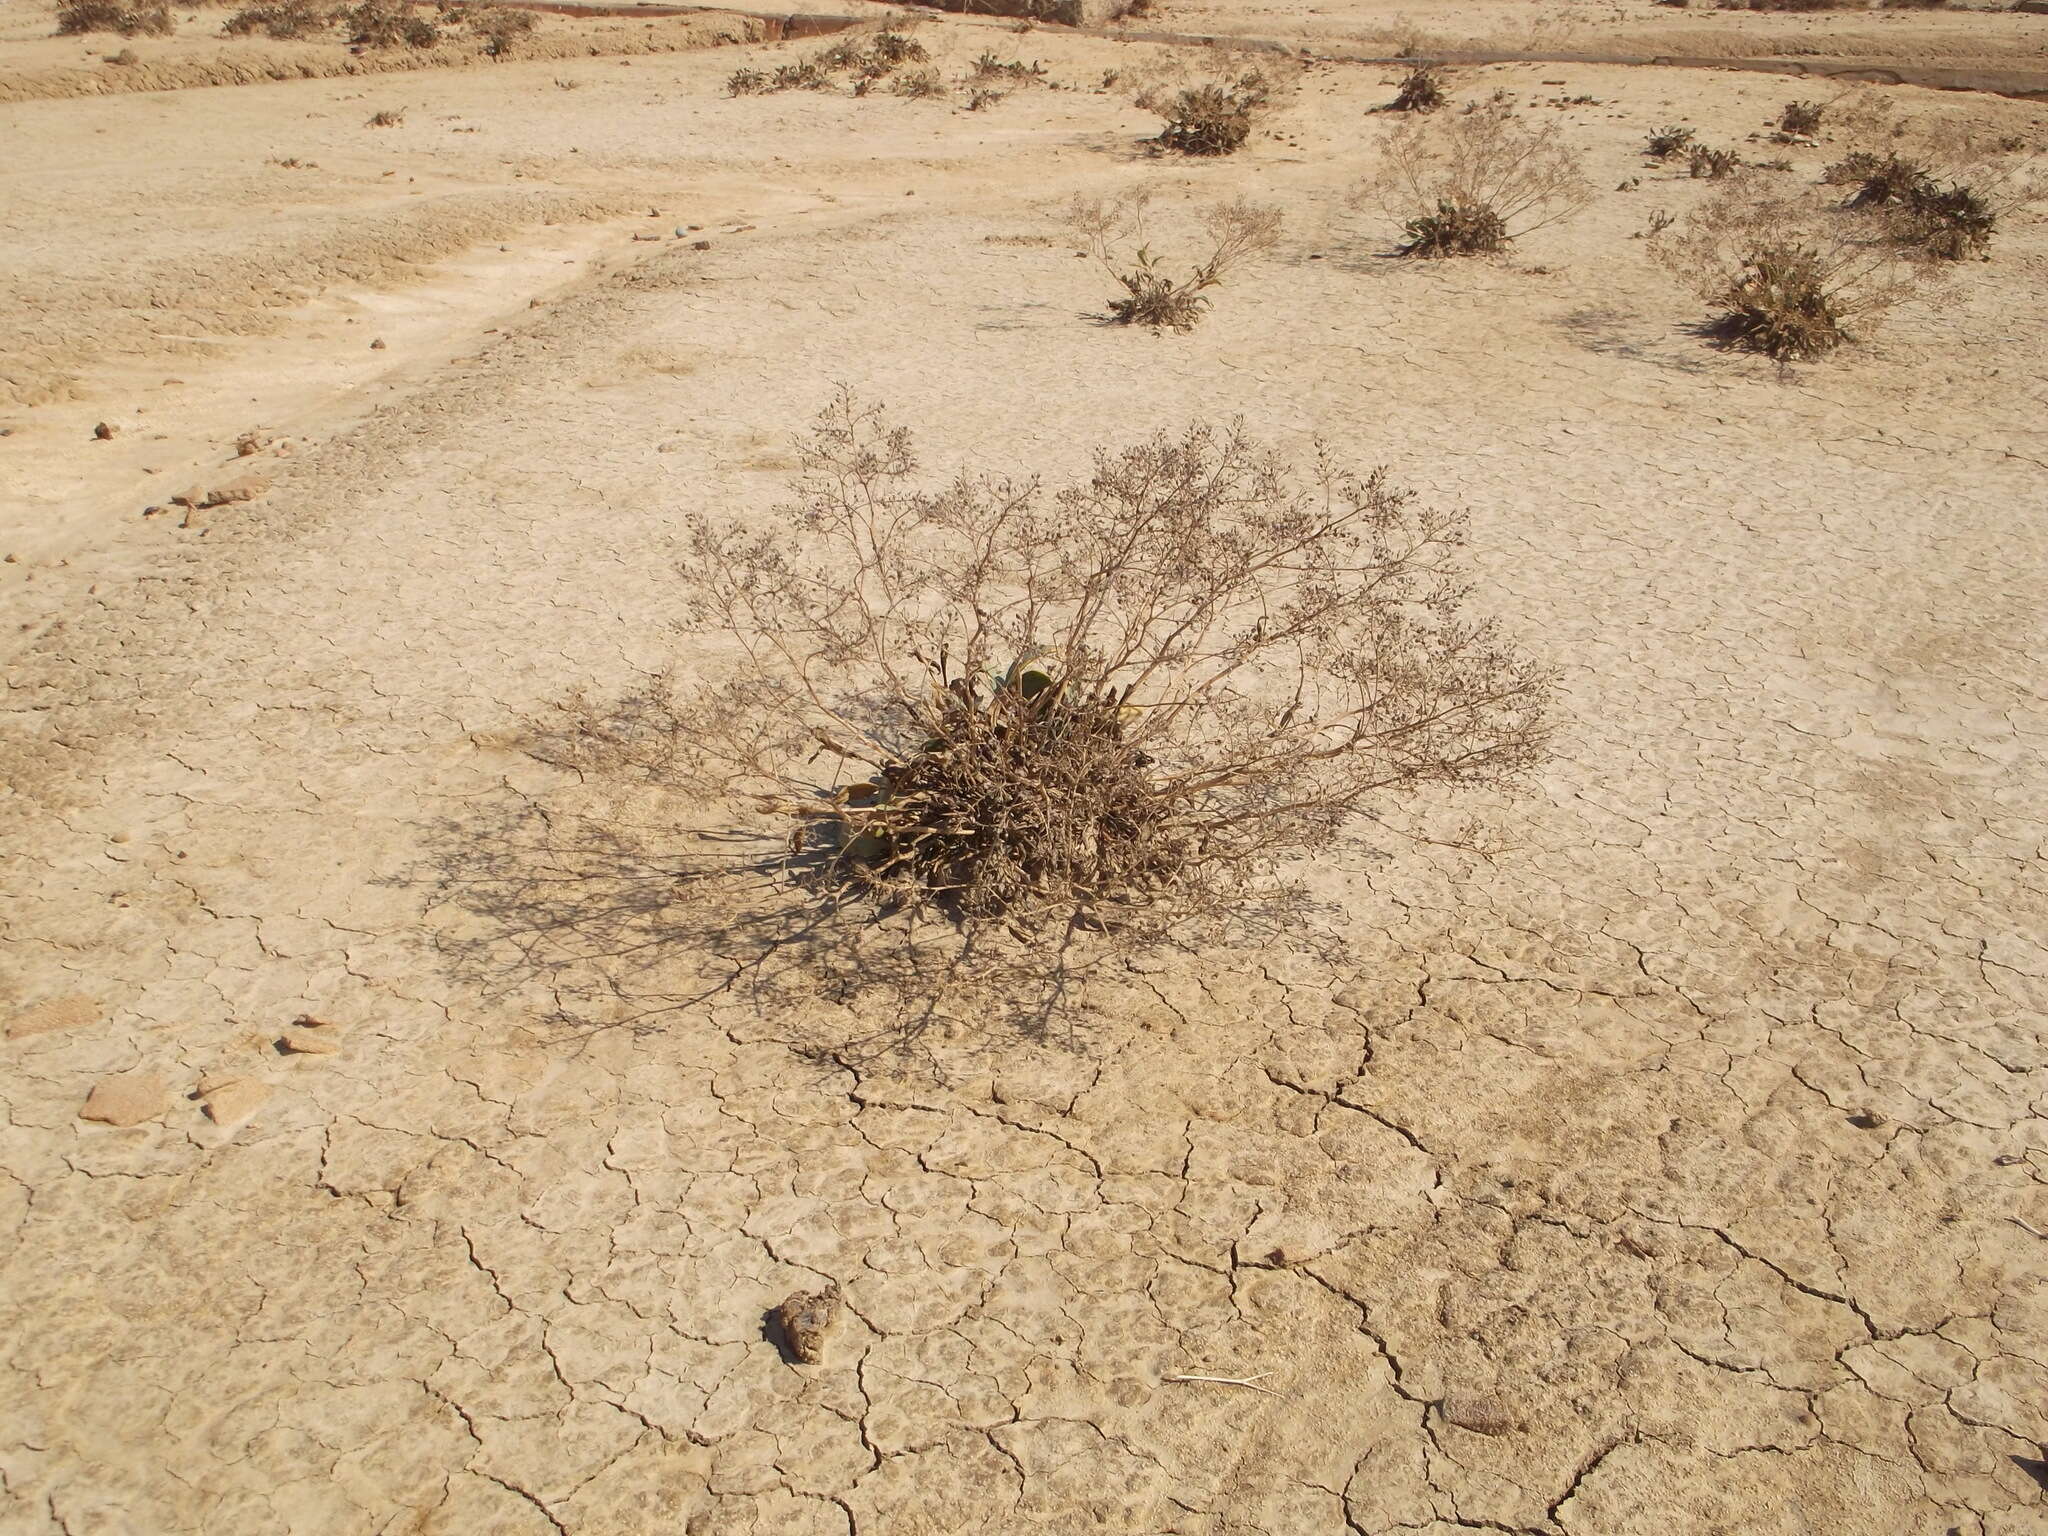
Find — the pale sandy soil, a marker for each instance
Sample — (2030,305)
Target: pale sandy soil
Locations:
(1680,1171)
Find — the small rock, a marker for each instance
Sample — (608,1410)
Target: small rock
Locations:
(700,245)
(641,234)
(105,431)
(805,1319)
(250,442)
(1476,1411)
(230,1102)
(298,1041)
(248,488)
(129,1099)
(377,345)
(53,1014)
(1868,1120)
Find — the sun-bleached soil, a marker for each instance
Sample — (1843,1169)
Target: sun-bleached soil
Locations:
(1679,1169)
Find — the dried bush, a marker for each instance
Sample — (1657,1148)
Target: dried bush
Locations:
(1477,181)
(867,58)
(1801,117)
(1712,164)
(746,82)
(1946,222)
(1669,141)
(918,84)
(990,70)
(1790,275)
(980,739)
(1913,5)
(1422,90)
(1214,118)
(287,20)
(388,24)
(1238,230)
(387,118)
(1784,5)
(1879,182)
(85,16)
(501,27)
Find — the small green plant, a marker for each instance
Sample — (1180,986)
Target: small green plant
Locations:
(1422,90)
(1238,230)
(1801,118)
(83,16)
(1668,141)
(1214,118)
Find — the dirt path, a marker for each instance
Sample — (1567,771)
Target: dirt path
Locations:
(1680,1171)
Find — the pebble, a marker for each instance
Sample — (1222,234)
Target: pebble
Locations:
(105,431)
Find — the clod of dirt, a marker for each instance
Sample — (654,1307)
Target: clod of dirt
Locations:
(250,442)
(804,1320)
(129,1099)
(1476,1411)
(231,1101)
(105,431)
(308,1036)
(377,345)
(700,245)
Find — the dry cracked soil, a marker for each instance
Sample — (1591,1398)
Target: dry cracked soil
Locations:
(1677,1168)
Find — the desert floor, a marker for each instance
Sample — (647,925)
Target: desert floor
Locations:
(1678,1170)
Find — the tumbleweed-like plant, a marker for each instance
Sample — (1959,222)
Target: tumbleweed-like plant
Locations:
(1238,231)
(1472,183)
(1792,276)
(1027,728)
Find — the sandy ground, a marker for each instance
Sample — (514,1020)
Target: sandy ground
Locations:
(1679,1171)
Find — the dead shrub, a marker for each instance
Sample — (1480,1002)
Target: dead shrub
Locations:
(1949,222)
(746,82)
(1712,164)
(981,739)
(388,24)
(1785,5)
(1801,117)
(85,16)
(1792,276)
(1669,141)
(1238,231)
(500,27)
(289,20)
(918,84)
(1475,182)
(990,70)
(1214,118)
(867,58)
(389,117)
(1422,90)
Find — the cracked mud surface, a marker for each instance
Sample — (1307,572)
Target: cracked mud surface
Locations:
(1681,1170)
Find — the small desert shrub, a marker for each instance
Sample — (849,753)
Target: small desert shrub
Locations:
(388,24)
(1238,231)
(987,739)
(1879,182)
(500,26)
(387,118)
(988,69)
(746,82)
(1947,222)
(1422,90)
(1214,118)
(1790,275)
(1475,182)
(982,98)
(85,16)
(1669,141)
(918,84)
(1712,164)
(803,75)
(1801,117)
(1783,5)
(285,21)
(1913,5)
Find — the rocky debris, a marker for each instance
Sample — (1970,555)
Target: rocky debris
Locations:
(128,1099)
(105,431)
(804,1320)
(308,1036)
(53,1013)
(230,1101)
(1478,1412)
(251,442)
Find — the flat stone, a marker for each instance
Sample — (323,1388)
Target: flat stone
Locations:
(54,1013)
(804,1320)
(128,1099)
(1478,1412)
(299,1041)
(231,1102)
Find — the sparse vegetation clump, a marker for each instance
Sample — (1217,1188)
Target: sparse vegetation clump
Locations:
(1669,141)
(388,117)
(867,60)
(286,20)
(1422,90)
(990,70)
(1949,222)
(1214,118)
(1238,230)
(918,84)
(500,27)
(992,737)
(389,24)
(83,16)
(1712,164)
(1793,276)
(1801,117)
(1474,183)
